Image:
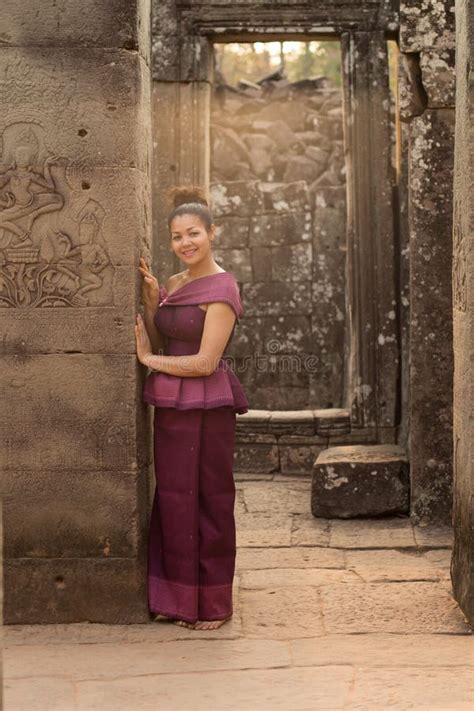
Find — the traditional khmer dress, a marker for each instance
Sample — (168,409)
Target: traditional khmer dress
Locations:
(192,537)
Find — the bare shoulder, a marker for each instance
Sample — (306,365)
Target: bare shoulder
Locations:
(174,280)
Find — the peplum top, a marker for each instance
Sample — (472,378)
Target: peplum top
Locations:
(179,318)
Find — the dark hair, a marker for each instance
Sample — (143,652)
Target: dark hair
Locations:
(189,200)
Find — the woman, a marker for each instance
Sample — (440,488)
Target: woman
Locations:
(186,328)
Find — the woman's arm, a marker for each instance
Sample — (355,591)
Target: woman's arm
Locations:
(218,325)
(157,339)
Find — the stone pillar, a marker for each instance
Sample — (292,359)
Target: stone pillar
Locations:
(74,219)
(372,371)
(427,104)
(181,99)
(462,563)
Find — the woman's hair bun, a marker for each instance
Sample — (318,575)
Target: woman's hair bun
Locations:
(183,194)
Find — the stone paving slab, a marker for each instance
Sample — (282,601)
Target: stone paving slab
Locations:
(290,557)
(309,531)
(391,565)
(402,608)
(294,577)
(385,650)
(372,533)
(420,689)
(258,529)
(293,689)
(434,536)
(281,613)
(102,661)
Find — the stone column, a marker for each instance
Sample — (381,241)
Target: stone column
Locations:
(462,563)
(181,98)
(427,104)
(74,219)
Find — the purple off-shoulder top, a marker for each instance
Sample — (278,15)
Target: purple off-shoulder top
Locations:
(179,318)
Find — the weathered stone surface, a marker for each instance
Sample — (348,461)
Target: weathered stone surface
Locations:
(298,454)
(288,577)
(282,613)
(462,565)
(92,23)
(426,24)
(256,456)
(263,529)
(237,260)
(72,423)
(67,529)
(434,536)
(308,531)
(423,689)
(147,658)
(262,558)
(232,232)
(438,76)
(409,608)
(272,335)
(431,357)
(103,93)
(377,649)
(280,229)
(372,533)
(360,481)
(290,298)
(391,565)
(59,590)
(292,264)
(265,688)
(239,198)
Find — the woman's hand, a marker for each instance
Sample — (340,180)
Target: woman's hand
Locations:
(144,349)
(150,286)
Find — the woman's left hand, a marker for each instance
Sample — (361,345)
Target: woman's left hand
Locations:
(144,348)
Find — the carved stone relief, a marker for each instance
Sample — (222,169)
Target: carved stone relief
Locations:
(52,248)
(459,261)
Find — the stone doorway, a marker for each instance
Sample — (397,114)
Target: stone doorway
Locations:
(183,90)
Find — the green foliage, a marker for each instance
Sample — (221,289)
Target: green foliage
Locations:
(301,60)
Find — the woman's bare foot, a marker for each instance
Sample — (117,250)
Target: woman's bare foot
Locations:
(210,624)
(183,623)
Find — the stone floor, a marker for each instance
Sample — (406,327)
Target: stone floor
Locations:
(328,615)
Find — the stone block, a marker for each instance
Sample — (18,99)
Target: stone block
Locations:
(360,481)
(239,198)
(283,198)
(329,228)
(426,25)
(298,453)
(438,76)
(332,421)
(273,335)
(232,232)
(236,260)
(261,263)
(267,298)
(52,591)
(116,24)
(292,263)
(83,514)
(292,422)
(83,415)
(260,455)
(271,230)
(78,107)
(294,557)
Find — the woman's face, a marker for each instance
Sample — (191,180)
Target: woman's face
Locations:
(190,240)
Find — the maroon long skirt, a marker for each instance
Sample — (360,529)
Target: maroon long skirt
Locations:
(192,537)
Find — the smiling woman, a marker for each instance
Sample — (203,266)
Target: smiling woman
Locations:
(190,321)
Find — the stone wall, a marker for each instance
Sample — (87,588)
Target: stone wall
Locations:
(427,105)
(74,219)
(278,192)
(462,564)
